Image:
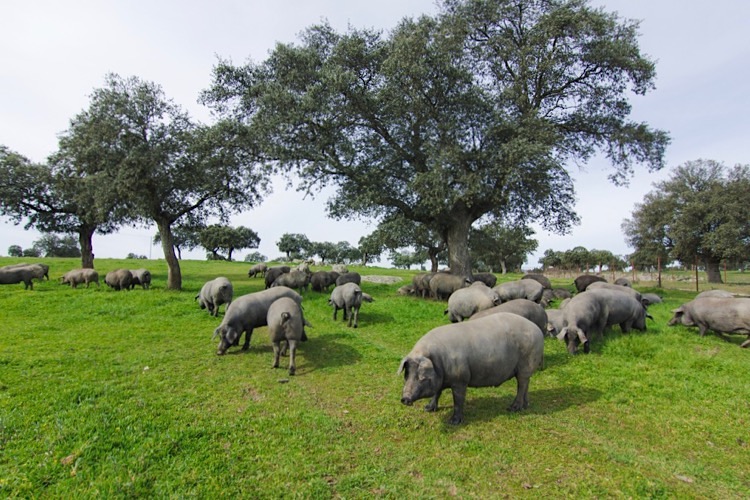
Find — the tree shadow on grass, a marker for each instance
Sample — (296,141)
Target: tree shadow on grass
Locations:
(541,402)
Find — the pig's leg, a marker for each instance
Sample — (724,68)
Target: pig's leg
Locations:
(433,404)
(459,396)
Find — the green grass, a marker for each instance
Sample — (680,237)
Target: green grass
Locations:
(121,394)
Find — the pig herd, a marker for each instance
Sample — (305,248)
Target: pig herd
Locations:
(119,279)
(502,337)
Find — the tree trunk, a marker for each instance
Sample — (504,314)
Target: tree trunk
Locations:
(85,235)
(503,267)
(713,271)
(433,260)
(174,275)
(457,237)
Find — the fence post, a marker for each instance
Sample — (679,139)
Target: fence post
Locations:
(658,268)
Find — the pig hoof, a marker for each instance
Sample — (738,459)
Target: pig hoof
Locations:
(455,420)
(430,407)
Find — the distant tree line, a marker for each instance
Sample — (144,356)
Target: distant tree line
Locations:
(49,245)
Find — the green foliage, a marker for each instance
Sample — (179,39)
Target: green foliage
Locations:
(113,394)
(255,257)
(398,232)
(31,252)
(15,251)
(699,214)
(295,245)
(496,247)
(52,245)
(474,113)
(582,259)
(217,237)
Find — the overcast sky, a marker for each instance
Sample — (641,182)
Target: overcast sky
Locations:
(54,54)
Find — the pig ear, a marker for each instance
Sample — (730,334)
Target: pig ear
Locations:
(402,365)
(582,336)
(678,310)
(562,334)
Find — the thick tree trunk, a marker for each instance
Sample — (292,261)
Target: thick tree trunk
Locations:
(85,236)
(174,275)
(713,271)
(457,237)
(503,267)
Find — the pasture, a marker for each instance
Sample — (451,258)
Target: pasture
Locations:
(121,394)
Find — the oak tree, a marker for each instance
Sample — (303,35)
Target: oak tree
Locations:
(700,214)
(476,112)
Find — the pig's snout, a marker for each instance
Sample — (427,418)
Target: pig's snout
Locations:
(407,401)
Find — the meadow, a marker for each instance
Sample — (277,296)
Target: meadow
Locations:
(121,394)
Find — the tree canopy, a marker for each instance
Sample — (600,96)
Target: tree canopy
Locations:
(67,194)
(700,214)
(166,168)
(473,113)
(294,245)
(494,247)
(217,237)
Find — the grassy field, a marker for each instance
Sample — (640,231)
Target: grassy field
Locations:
(121,394)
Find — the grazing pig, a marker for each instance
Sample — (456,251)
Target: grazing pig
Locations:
(40,270)
(488,279)
(466,301)
(406,290)
(530,310)
(442,285)
(650,298)
(248,312)
(623,282)
(542,279)
(293,279)
(720,314)
(119,279)
(421,283)
(286,323)
(521,289)
(348,297)
(584,280)
(321,280)
(77,276)
(591,312)
(554,322)
(16,275)
(599,285)
(274,272)
(141,277)
(214,293)
(258,269)
(350,277)
(481,353)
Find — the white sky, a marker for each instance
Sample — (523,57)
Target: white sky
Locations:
(53,54)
